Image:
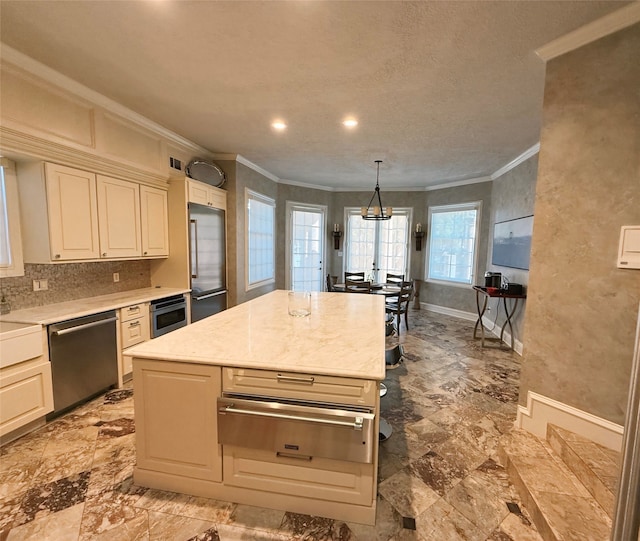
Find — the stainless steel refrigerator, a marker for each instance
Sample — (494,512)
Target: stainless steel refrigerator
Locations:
(208,265)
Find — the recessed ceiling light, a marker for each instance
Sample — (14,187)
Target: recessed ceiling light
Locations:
(279,125)
(350,123)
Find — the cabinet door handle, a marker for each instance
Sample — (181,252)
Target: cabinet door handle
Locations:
(144,253)
(57,256)
(104,254)
(294,379)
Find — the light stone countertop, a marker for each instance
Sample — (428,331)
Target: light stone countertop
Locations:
(343,336)
(61,311)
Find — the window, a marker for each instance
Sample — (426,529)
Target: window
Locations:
(453,239)
(10,241)
(377,247)
(260,239)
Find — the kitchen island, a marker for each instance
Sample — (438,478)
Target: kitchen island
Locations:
(255,406)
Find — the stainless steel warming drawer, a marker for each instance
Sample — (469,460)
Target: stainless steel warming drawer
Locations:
(297,428)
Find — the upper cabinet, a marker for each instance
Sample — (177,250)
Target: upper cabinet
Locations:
(70,198)
(75,215)
(118,217)
(154,222)
(204,194)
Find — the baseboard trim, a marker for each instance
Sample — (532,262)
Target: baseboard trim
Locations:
(469,316)
(541,410)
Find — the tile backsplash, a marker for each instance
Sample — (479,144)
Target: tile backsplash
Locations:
(70,281)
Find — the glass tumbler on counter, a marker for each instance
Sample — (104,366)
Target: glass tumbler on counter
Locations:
(299,303)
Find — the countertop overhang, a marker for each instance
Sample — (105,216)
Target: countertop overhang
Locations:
(54,313)
(343,336)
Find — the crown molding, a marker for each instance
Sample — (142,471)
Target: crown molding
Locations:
(617,20)
(305,185)
(532,151)
(33,67)
(248,163)
(455,183)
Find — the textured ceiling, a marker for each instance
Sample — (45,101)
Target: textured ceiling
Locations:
(443,91)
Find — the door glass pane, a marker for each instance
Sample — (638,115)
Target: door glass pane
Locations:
(307,226)
(360,246)
(393,245)
(378,247)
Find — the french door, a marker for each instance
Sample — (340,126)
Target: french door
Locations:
(305,253)
(377,247)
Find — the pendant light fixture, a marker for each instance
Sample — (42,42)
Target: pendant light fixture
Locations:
(377,211)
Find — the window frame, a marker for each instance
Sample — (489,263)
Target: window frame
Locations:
(12,219)
(266,200)
(457,207)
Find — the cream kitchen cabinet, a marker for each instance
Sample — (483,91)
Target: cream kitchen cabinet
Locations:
(134,329)
(203,194)
(175,407)
(118,217)
(59,204)
(76,215)
(26,391)
(154,221)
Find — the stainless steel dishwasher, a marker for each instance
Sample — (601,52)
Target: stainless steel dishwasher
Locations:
(84,358)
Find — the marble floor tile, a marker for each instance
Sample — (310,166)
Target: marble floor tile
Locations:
(443,522)
(408,493)
(61,526)
(170,527)
(438,478)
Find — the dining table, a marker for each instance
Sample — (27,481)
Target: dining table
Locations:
(387,290)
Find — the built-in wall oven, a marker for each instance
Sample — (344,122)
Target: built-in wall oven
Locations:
(297,428)
(168,314)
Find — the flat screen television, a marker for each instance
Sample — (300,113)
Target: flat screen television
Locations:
(512,243)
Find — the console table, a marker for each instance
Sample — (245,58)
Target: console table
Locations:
(482,293)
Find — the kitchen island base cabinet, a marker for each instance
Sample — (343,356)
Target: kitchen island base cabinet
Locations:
(177,450)
(176,424)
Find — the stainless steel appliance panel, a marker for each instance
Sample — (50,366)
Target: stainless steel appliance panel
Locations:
(207,248)
(84,358)
(167,315)
(297,429)
(208,304)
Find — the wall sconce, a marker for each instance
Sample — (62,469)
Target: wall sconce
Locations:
(336,236)
(418,234)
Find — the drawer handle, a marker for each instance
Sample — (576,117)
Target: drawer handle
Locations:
(288,455)
(134,309)
(134,324)
(294,379)
(356,424)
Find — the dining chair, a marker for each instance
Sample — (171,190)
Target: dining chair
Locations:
(357,286)
(395,279)
(400,305)
(359,276)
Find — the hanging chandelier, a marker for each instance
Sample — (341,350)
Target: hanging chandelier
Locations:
(377,211)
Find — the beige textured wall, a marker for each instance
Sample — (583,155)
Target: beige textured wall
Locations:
(581,311)
(512,196)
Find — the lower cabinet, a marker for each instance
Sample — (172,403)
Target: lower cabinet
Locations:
(26,393)
(319,478)
(134,329)
(176,422)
